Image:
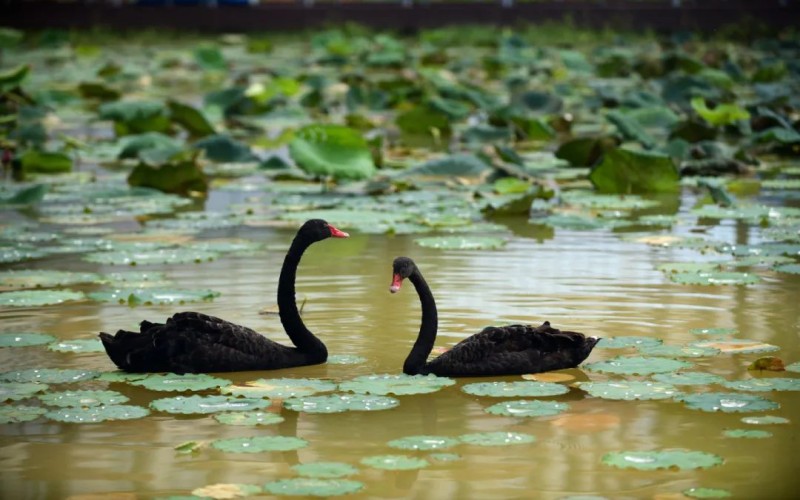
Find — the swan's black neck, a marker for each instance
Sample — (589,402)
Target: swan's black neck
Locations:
(301,337)
(415,362)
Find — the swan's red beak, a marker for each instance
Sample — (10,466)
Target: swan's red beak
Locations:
(396,282)
(337,233)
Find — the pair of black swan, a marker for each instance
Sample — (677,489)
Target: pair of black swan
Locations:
(191,342)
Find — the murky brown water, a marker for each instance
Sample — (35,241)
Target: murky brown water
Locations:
(586,281)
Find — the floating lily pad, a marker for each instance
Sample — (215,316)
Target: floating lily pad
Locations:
(496,438)
(120,376)
(44,278)
(136,279)
(677,351)
(466,242)
(24,339)
(714,278)
(727,402)
(395,462)
(77,346)
(14,391)
(336,403)
(73,399)
(248,418)
(94,414)
(179,383)
(307,486)
(226,490)
(664,459)
(515,389)
(148,296)
(17,254)
(765,420)
(326,470)
(12,414)
(627,341)
(528,408)
(279,388)
(788,268)
(207,404)
(399,385)
(348,218)
(259,444)
(630,390)
(688,378)
(35,298)
(764,384)
(737,346)
(688,267)
(747,433)
(706,493)
(637,365)
(157,256)
(48,375)
(423,443)
(794,367)
(346,359)
(714,331)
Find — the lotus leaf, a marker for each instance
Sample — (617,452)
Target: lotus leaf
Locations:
(120,376)
(94,414)
(638,365)
(248,418)
(764,384)
(606,201)
(224,149)
(727,402)
(663,459)
(496,438)
(178,383)
(706,493)
(280,388)
(765,420)
(17,254)
(45,279)
(462,242)
(630,390)
(14,391)
(688,378)
(12,414)
(348,218)
(423,443)
(77,345)
(325,470)
(714,278)
(133,146)
(259,444)
(225,491)
(346,359)
(626,171)
(75,399)
(137,296)
(48,375)
(628,341)
(714,331)
(515,389)
(399,385)
(34,298)
(747,433)
(677,351)
(302,486)
(458,165)
(191,119)
(394,462)
(207,404)
(45,162)
(158,256)
(332,150)
(527,408)
(722,114)
(736,346)
(336,403)
(788,268)
(794,367)
(180,174)
(24,339)
(134,117)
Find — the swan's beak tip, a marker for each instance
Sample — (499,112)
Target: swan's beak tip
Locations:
(394,288)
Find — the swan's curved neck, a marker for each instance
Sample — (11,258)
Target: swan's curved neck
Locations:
(301,337)
(415,362)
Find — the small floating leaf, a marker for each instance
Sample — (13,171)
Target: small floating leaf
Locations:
(714,278)
(225,491)
(794,367)
(747,433)
(45,279)
(259,444)
(35,298)
(706,493)
(630,390)
(423,443)
(48,375)
(279,388)
(346,359)
(764,384)
(12,414)
(190,446)
(76,399)
(336,403)
(664,459)
(688,378)
(24,339)
(788,268)
(248,418)
(207,404)
(727,402)
(93,414)
(400,385)
(765,420)
(627,341)
(496,438)
(306,486)
(528,408)
(326,470)
(515,389)
(178,383)
(737,346)
(714,331)
(637,365)
(77,345)
(132,296)
(467,242)
(395,462)
(13,391)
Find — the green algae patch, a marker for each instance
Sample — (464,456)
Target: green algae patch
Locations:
(79,399)
(259,444)
(747,433)
(95,414)
(524,408)
(637,365)
(515,389)
(14,391)
(423,443)
(49,375)
(309,486)
(325,470)
(36,298)
(664,459)
(279,388)
(24,339)
(248,418)
(337,403)
(498,438)
(727,402)
(206,404)
(630,390)
(180,383)
(466,242)
(14,414)
(399,385)
(394,462)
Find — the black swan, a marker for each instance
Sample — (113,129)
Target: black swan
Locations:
(191,342)
(504,350)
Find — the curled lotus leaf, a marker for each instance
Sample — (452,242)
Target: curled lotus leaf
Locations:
(383,384)
(638,365)
(662,459)
(248,418)
(765,420)
(77,399)
(423,443)
(336,403)
(77,345)
(737,346)
(279,388)
(24,339)
(466,242)
(12,414)
(678,351)
(764,384)
(628,341)
(630,390)
(746,433)
(48,375)
(259,444)
(94,414)
(525,388)
(325,470)
(14,391)
(394,462)
(35,298)
(528,408)
(706,493)
(309,486)
(727,402)
(178,383)
(44,278)
(688,378)
(498,438)
(207,404)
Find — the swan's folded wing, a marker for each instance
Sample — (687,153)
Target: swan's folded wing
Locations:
(202,330)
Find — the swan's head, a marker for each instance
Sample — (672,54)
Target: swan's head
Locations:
(402,268)
(318,229)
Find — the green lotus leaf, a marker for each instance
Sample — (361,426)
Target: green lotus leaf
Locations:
(714,278)
(77,346)
(137,296)
(706,493)
(306,486)
(35,298)
(136,279)
(336,403)
(394,462)
(157,256)
(24,339)
(677,351)
(496,438)
(179,383)
(14,391)
(594,200)
(637,365)
(207,404)
(688,378)
(16,254)
(45,162)
(48,375)
(226,490)
(794,367)
(765,420)
(627,171)
(736,346)
(714,331)
(332,150)
(193,120)
(689,267)
(325,470)
(399,385)
(515,389)
(527,408)
(73,399)
(12,414)
(663,459)
(248,418)
(755,212)
(259,444)
(94,414)
(349,218)
(788,268)
(44,278)
(229,245)
(458,165)
(133,117)
(466,242)
(746,433)
(222,148)
(120,376)
(279,388)
(630,390)
(727,402)
(578,222)
(627,341)
(133,145)
(764,384)
(721,114)
(423,443)
(346,359)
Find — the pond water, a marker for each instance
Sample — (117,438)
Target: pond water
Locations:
(597,282)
